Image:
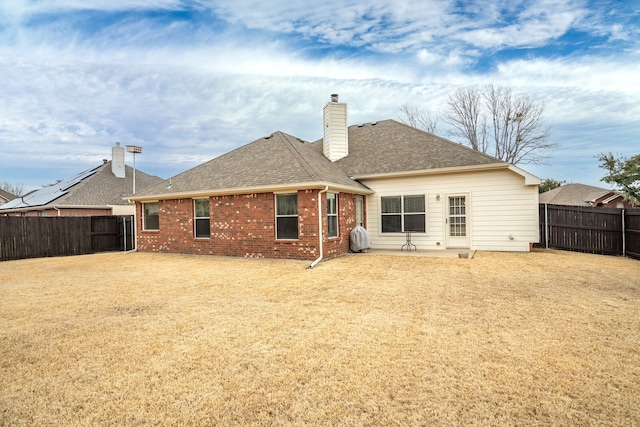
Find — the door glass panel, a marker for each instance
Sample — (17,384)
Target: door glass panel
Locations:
(457,217)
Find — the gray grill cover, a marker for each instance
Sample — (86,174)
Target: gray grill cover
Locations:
(359,239)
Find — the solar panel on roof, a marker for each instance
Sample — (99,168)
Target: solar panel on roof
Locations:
(48,194)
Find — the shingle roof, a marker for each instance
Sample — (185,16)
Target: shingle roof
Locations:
(93,187)
(281,159)
(389,146)
(573,195)
(277,160)
(5,195)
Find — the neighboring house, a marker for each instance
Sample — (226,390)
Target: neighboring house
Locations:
(584,195)
(5,197)
(97,191)
(282,197)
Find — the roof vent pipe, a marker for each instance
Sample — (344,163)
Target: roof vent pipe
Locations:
(334,97)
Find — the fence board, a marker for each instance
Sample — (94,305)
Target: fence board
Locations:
(632,233)
(35,237)
(591,229)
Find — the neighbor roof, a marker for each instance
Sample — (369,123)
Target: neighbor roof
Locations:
(5,195)
(97,186)
(278,160)
(574,195)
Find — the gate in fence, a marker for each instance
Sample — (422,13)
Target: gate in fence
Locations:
(589,229)
(36,237)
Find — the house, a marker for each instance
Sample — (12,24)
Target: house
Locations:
(5,197)
(96,191)
(584,195)
(282,197)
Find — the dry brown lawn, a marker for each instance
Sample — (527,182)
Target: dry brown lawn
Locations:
(545,338)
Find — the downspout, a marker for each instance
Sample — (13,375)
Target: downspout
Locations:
(314,263)
(57,210)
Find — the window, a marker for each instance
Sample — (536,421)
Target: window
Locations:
(286,216)
(403,213)
(332,214)
(201,216)
(150,216)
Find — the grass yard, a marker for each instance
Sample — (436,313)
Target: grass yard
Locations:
(545,338)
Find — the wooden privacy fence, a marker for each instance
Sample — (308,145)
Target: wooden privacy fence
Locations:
(36,237)
(596,230)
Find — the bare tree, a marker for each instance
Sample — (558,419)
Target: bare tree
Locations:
(512,122)
(519,134)
(15,189)
(418,118)
(466,118)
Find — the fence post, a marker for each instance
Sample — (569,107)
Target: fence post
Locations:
(546,226)
(124,233)
(624,236)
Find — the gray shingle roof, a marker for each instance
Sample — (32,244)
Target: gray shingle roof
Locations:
(94,187)
(281,159)
(389,146)
(276,160)
(573,195)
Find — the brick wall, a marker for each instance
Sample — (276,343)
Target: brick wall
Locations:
(244,226)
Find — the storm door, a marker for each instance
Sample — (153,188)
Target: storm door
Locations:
(456,222)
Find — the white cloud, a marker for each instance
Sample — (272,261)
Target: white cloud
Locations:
(68,96)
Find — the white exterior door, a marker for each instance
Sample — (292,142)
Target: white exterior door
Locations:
(359,211)
(457,228)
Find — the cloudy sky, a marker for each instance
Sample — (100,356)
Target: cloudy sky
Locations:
(189,80)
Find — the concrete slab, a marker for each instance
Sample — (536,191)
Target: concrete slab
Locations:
(437,253)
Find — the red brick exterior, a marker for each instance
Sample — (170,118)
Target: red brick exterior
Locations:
(244,226)
(611,204)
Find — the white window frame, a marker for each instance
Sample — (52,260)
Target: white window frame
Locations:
(333,215)
(402,213)
(144,216)
(201,218)
(277,216)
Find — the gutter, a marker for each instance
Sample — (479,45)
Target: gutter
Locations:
(529,178)
(359,188)
(314,263)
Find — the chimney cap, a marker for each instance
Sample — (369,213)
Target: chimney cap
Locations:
(334,97)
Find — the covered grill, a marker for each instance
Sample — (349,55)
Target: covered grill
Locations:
(359,239)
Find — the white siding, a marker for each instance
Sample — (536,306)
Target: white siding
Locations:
(499,205)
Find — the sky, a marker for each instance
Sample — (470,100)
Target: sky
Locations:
(189,80)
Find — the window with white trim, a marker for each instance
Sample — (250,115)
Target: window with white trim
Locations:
(332,214)
(202,220)
(287,216)
(403,213)
(151,216)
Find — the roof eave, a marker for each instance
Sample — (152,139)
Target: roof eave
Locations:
(45,207)
(250,190)
(529,178)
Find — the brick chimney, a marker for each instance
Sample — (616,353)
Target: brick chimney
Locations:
(117,161)
(335,144)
